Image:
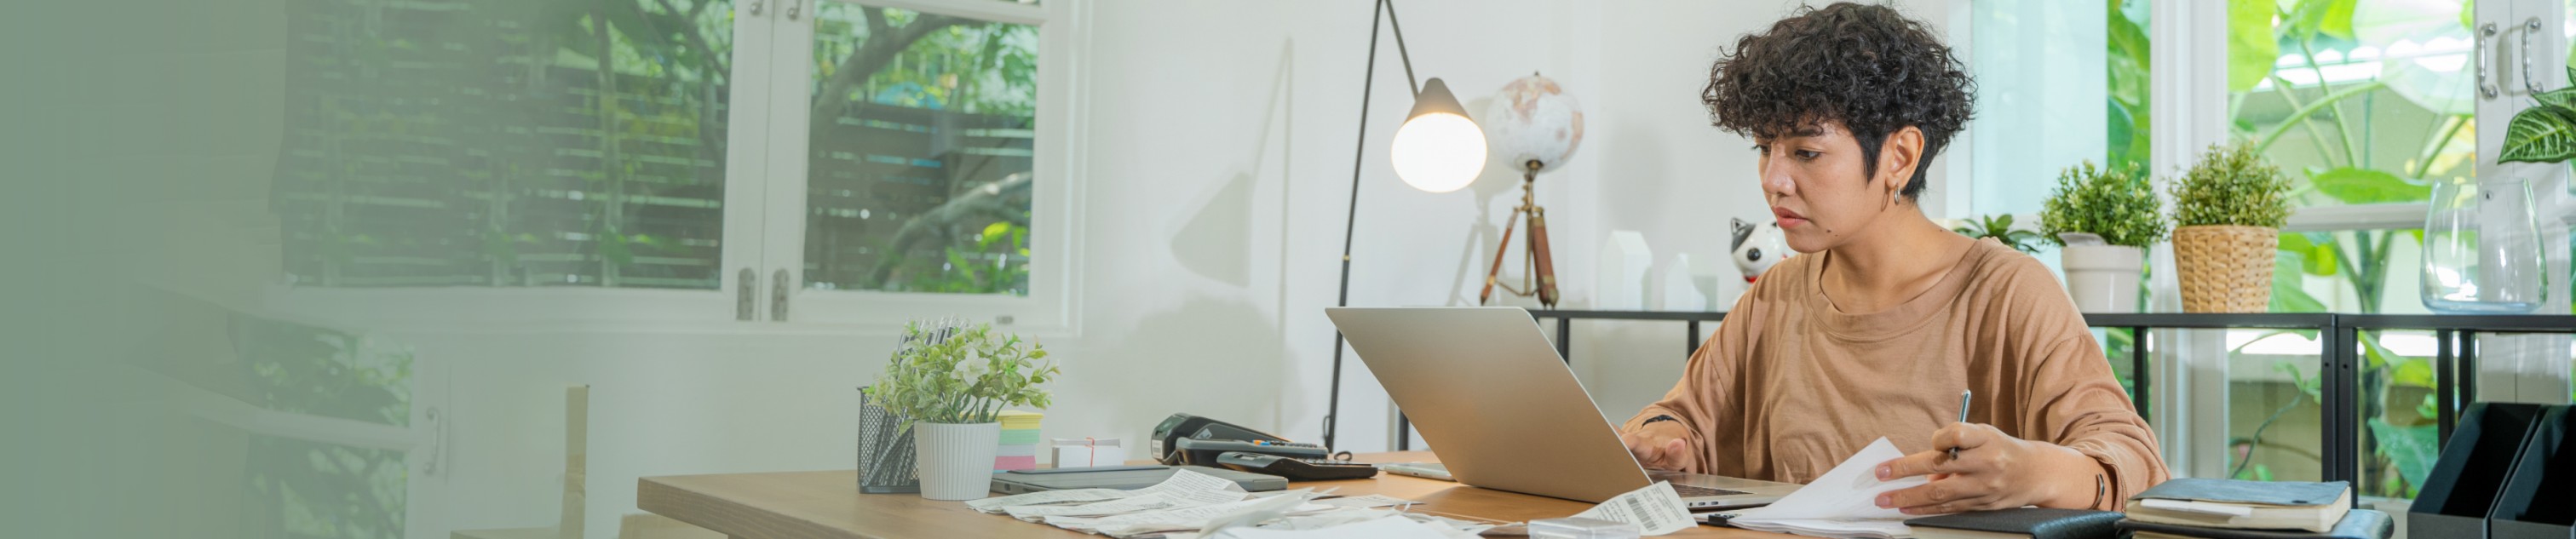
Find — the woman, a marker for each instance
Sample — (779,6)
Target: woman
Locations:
(1886,317)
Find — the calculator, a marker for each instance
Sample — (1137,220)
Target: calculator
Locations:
(1296,469)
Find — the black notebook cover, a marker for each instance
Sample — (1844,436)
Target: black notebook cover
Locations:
(2238,491)
(2039,523)
(2358,524)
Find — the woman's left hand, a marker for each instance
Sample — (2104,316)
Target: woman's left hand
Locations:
(1993,470)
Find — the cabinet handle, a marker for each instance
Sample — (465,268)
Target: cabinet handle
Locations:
(2528,28)
(2486,88)
(745,285)
(794,6)
(778,287)
(755,8)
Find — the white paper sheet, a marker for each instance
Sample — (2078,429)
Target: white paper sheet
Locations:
(996,505)
(1148,502)
(1189,480)
(1181,480)
(1365,502)
(1842,503)
(1386,527)
(1177,519)
(1657,509)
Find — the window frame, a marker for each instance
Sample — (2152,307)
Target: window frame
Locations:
(1054,261)
(764,214)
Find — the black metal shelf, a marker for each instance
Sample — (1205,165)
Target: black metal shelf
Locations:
(2455,362)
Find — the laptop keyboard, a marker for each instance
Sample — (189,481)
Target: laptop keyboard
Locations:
(1688,491)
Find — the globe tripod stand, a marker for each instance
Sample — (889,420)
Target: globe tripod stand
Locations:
(1536,263)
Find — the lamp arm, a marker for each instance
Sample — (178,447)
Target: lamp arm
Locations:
(1350,218)
(1401,53)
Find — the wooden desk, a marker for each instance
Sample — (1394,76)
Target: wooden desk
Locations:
(801,505)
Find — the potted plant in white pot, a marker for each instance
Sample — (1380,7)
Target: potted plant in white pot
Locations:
(949,383)
(2228,212)
(2104,219)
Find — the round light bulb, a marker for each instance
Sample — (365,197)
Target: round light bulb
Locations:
(1439,152)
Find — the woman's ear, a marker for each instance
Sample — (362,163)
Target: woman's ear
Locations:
(1898,156)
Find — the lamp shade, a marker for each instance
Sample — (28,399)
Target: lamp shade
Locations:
(1438,149)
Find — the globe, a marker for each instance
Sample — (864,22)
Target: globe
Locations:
(1531,119)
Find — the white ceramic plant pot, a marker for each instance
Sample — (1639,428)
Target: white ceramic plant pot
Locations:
(2103,278)
(955,461)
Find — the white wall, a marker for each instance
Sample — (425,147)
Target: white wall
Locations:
(1218,180)
(1221,157)
(1668,174)
(1212,215)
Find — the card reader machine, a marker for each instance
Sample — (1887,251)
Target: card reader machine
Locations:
(1166,443)
(1185,439)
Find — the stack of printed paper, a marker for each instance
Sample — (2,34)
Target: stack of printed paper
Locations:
(1195,502)
(1842,503)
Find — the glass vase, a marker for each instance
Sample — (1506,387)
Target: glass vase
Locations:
(2482,252)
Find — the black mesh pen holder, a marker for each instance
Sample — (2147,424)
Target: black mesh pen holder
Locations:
(885,450)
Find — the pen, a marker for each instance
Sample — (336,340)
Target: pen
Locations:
(1963,418)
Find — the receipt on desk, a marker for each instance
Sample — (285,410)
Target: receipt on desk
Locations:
(1657,509)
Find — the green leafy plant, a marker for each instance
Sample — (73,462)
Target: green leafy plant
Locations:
(2349,160)
(2232,185)
(960,375)
(2544,133)
(2117,204)
(2000,227)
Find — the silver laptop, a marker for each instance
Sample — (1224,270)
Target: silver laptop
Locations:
(1503,411)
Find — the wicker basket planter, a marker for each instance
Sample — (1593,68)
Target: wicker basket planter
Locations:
(2225,269)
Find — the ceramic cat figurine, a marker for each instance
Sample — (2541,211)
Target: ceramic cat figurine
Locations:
(1758,247)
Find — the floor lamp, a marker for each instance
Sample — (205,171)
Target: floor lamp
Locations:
(1438,149)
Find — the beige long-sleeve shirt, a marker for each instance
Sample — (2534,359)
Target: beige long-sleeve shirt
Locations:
(1790,386)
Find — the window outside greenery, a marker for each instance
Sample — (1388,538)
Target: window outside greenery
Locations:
(505,143)
(583,143)
(921,168)
(2363,102)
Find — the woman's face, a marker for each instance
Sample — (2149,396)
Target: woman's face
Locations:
(1819,188)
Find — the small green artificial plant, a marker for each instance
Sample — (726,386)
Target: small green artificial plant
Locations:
(2232,185)
(2118,205)
(962,375)
(1999,227)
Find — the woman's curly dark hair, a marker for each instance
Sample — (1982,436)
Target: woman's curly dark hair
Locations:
(1867,67)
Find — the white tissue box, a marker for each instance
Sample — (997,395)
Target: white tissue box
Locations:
(1080,452)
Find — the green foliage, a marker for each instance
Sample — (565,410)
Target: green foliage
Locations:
(2128,64)
(971,66)
(2545,133)
(2352,164)
(962,375)
(2251,46)
(993,261)
(2232,185)
(2118,204)
(2287,295)
(2000,228)
(2411,448)
(2351,185)
(322,489)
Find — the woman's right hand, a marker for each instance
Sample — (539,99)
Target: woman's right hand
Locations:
(1659,445)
